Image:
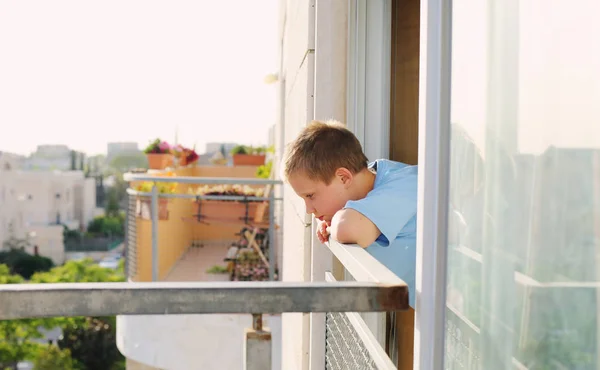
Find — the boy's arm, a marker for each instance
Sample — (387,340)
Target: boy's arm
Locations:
(352,227)
(384,212)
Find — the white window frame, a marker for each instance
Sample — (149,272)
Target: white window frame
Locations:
(368,93)
(368,85)
(432,213)
(367,98)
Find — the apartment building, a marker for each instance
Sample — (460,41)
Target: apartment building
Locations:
(11,161)
(36,205)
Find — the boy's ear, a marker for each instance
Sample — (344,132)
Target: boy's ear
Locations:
(344,175)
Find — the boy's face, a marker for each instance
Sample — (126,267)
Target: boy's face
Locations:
(320,199)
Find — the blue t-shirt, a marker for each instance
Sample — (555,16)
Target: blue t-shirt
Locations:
(392,207)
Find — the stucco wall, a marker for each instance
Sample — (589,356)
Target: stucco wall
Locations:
(297,73)
(183,342)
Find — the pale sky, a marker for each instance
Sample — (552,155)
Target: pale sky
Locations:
(85,73)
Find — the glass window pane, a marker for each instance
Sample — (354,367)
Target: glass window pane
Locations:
(524,229)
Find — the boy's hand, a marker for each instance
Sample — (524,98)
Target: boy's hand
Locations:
(323,230)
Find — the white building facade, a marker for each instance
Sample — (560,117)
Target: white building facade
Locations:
(36,205)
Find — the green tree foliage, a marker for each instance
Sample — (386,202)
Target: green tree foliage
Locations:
(24,264)
(85,271)
(16,336)
(108,225)
(53,358)
(90,340)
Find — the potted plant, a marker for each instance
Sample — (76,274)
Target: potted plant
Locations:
(248,156)
(264,171)
(249,267)
(143,205)
(159,154)
(185,156)
(227,210)
(218,273)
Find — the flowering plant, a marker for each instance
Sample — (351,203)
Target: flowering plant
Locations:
(233,190)
(163,187)
(185,155)
(249,267)
(158,147)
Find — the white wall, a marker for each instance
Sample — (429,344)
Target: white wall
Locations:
(297,72)
(10,161)
(28,201)
(85,201)
(49,239)
(182,342)
(313,86)
(9,211)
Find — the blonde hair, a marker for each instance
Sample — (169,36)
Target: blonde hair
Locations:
(320,149)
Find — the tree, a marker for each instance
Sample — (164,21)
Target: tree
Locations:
(17,337)
(24,264)
(92,343)
(90,340)
(112,208)
(108,225)
(52,358)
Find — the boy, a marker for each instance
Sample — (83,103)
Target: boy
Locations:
(373,204)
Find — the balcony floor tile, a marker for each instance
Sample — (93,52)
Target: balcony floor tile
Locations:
(196,261)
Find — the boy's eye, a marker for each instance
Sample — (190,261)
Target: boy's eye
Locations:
(309,196)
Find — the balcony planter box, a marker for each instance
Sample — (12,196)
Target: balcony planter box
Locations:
(143,208)
(249,159)
(159,161)
(229,211)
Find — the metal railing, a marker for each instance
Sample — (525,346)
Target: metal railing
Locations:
(19,301)
(352,340)
(371,334)
(155,196)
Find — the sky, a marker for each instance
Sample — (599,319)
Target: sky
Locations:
(85,73)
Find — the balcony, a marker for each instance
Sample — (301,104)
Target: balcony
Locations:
(182,237)
(176,316)
(178,237)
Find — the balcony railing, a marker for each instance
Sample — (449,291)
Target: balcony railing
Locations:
(354,339)
(197,216)
(104,299)
(379,329)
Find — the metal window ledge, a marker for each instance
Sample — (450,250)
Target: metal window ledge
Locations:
(103,299)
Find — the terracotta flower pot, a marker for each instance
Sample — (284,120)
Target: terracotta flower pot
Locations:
(143,208)
(159,161)
(227,211)
(249,159)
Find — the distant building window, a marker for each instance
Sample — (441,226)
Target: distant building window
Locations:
(29,196)
(57,195)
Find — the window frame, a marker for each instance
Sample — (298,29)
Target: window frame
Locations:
(434,176)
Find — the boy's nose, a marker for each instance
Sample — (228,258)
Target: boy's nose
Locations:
(309,208)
